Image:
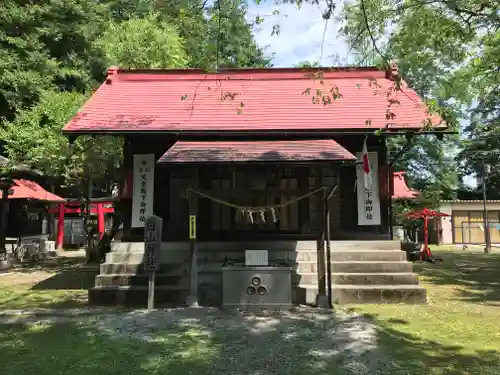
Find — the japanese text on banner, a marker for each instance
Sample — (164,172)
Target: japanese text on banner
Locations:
(144,171)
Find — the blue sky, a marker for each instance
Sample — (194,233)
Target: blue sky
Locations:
(301,34)
(301,37)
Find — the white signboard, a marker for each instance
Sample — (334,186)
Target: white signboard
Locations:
(143,189)
(368,200)
(256,258)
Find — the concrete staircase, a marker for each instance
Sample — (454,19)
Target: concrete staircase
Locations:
(362,272)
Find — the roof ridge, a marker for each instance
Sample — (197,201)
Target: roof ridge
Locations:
(117,69)
(269,74)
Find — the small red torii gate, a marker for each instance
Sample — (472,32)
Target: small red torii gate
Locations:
(425,214)
(99,208)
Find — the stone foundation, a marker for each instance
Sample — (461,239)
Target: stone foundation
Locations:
(362,272)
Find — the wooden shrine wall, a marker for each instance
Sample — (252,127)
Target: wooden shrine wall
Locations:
(248,185)
(297,221)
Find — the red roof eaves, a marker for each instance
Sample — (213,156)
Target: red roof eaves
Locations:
(100,115)
(401,188)
(256,151)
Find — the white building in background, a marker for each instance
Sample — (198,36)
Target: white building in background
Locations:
(466,222)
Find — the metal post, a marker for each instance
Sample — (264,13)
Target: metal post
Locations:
(328,253)
(328,244)
(487,238)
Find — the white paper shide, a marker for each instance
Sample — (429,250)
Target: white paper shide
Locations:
(368,199)
(143,189)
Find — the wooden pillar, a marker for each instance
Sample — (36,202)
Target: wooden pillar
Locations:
(100,220)
(192,300)
(60,227)
(3,223)
(384,175)
(321,298)
(390,193)
(303,183)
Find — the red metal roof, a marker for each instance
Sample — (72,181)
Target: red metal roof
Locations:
(266,151)
(247,100)
(401,189)
(25,189)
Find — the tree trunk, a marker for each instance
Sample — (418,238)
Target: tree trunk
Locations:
(51,218)
(3,221)
(89,248)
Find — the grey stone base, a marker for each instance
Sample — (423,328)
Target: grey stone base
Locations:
(192,301)
(322,301)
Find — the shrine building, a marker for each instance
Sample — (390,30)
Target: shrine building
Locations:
(257,159)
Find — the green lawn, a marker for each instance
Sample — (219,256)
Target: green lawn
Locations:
(69,349)
(458,331)
(59,283)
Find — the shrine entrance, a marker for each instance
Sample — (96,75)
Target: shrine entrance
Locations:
(283,200)
(254,201)
(252,190)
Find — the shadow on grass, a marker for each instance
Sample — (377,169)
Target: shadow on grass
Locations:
(69,279)
(207,341)
(65,348)
(54,283)
(53,265)
(476,275)
(410,354)
(30,300)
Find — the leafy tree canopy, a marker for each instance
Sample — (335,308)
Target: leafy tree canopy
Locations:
(46,45)
(448,52)
(34,139)
(55,53)
(143,43)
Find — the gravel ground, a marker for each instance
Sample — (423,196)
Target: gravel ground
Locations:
(299,341)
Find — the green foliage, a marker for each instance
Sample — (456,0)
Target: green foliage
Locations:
(46,45)
(230,42)
(449,52)
(143,43)
(308,64)
(54,53)
(430,164)
(208,39)
(34,139)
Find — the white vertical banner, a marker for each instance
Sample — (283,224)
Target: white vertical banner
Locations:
(143,189)
(368,199)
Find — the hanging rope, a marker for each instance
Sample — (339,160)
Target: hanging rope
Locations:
(256,208)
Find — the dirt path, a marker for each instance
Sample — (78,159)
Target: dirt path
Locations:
(264,342)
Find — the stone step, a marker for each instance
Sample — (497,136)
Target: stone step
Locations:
(139,280)
(375,278)
(138,268)
(175,278)
(355,294)
(136,296)
(138,257)
(358,279)
(364,255)
(297,267)
(119,246)
(274,256)
(372,267)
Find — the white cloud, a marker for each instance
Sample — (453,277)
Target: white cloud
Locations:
(301,34)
